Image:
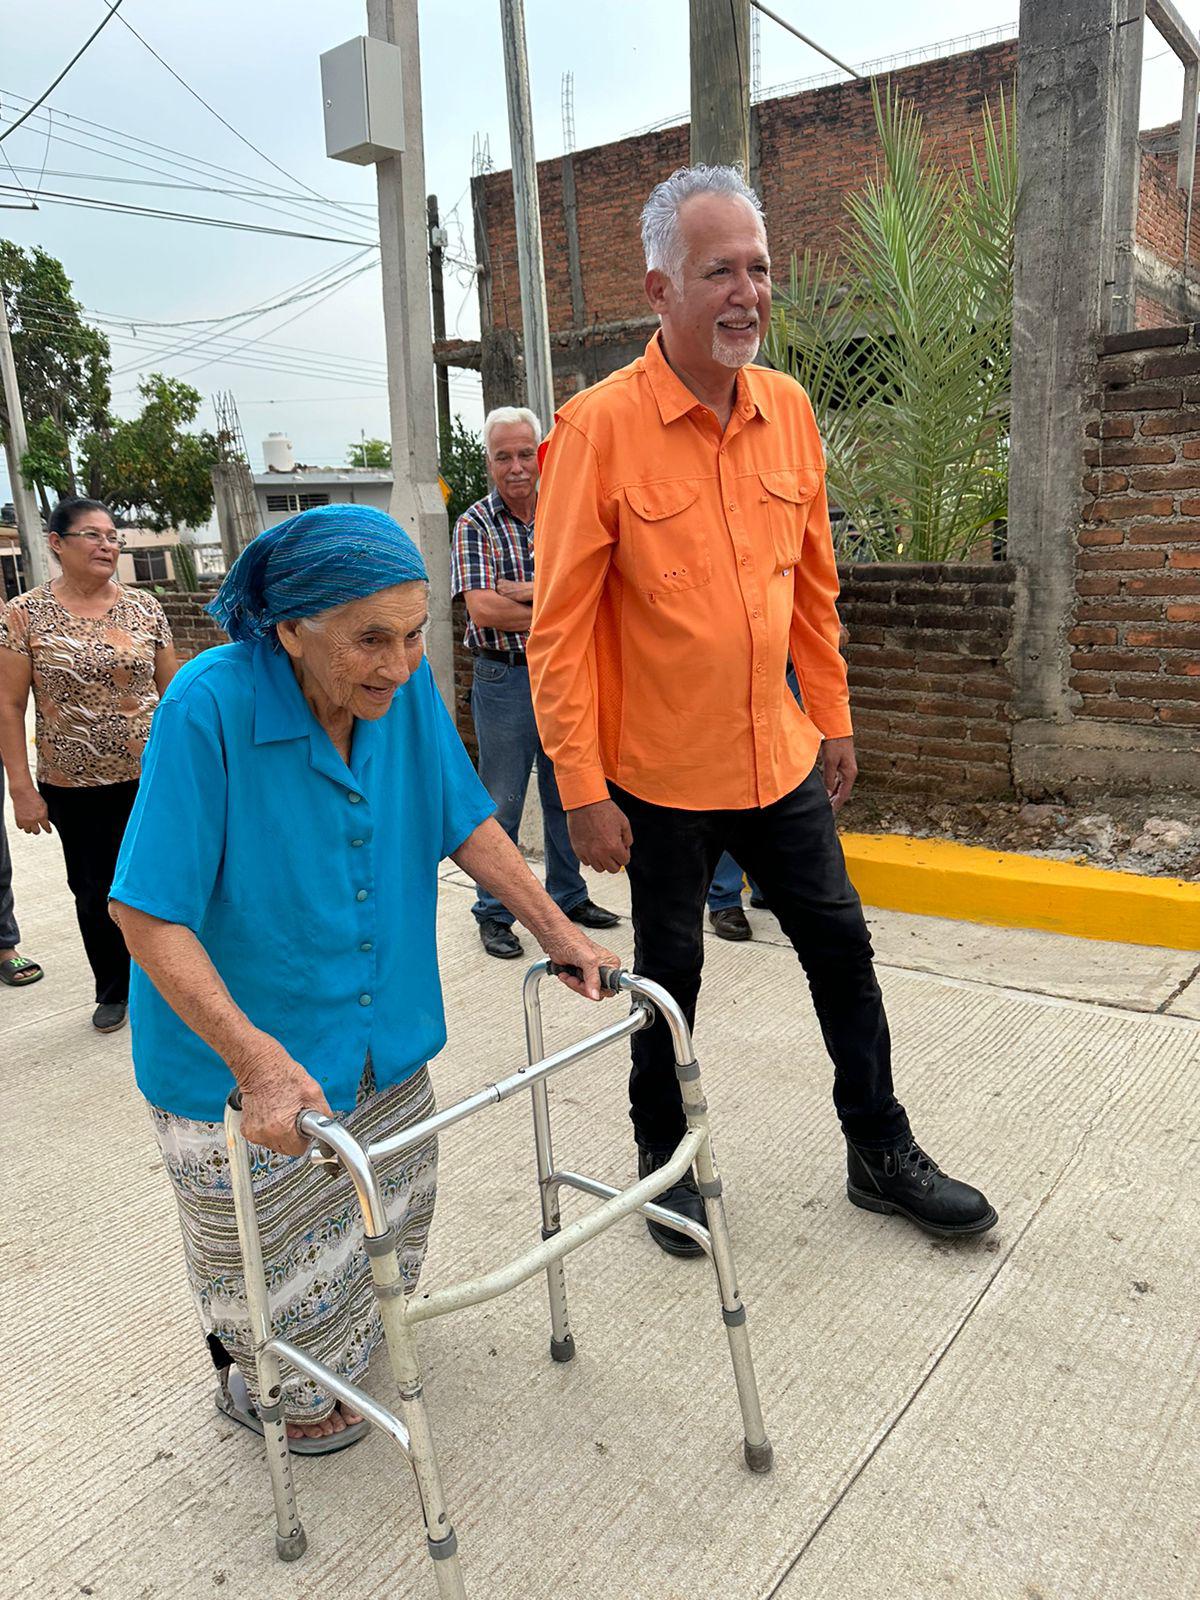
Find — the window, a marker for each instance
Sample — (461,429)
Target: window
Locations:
(149,566)
(296,502)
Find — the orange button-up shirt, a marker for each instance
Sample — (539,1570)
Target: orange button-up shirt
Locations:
(676,568)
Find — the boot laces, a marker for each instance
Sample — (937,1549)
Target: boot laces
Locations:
(924,1167)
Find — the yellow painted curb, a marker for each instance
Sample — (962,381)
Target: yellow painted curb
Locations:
(937,878)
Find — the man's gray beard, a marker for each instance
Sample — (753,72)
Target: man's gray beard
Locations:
(731,355)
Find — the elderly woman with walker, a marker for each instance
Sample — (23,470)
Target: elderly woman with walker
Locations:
(277,889)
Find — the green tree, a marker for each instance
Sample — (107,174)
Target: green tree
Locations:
(62,365)
(371,453)
(903,340)
(464,467)
(150,468)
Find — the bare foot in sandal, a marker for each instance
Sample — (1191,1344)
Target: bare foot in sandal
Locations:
(340,1418)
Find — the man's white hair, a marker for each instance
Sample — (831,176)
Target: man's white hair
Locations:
(662,237)
(502,416)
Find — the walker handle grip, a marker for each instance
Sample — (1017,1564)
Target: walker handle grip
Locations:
(610,977)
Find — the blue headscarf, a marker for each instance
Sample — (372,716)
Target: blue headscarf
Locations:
(312,562)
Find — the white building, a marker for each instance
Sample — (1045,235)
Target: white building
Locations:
(286,487)
(282,494)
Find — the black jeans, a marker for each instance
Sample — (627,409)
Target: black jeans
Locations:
(91,823)
(792,851)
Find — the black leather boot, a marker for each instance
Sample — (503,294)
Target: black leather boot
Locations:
(683,1197)
(910,1183)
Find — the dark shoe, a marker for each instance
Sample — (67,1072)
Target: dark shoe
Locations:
(499,939)
(908,1182)
(683,1197)
(730,923)
(589,915)
(757,903)
(107,1019)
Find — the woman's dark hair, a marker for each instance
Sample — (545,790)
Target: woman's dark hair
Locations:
(68,511)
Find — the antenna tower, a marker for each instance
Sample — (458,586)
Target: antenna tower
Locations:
(568,112)
(237,508)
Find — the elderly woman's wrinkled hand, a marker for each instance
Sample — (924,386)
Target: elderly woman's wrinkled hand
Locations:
(570,947)
(275,1090)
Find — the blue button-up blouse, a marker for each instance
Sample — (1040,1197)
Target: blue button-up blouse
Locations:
(312,885)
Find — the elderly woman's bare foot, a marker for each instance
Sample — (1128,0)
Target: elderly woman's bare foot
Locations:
(339,1418)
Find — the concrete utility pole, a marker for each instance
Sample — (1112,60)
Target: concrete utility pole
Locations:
(441,374)
(417,502)
(535,320)
(35,563)
(719,34)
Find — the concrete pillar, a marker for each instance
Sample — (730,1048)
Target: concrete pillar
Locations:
(1068,92)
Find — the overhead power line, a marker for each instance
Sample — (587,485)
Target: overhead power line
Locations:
(167,157)
(202,101)
(13,126)
(92,204)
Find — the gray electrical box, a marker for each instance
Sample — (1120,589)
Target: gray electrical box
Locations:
(363,96)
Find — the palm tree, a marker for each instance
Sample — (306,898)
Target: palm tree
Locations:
(903,340)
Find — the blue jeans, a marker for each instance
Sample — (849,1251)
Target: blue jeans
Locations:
(502,710)
(725,890)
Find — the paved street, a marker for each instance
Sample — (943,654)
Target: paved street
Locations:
(1013,1419)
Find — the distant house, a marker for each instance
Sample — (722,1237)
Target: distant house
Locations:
(146,557)
(281,494)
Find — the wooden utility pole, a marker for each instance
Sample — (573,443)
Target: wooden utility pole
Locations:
(720,57)
(35,563)
(441,374)
(416,501)
(535,320)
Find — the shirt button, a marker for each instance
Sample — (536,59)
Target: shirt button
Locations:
(759,668)
(745,561)
(354,798)
(361,895)
(356,843)
(364,999)
(366,945)
(732,506)
(756,613)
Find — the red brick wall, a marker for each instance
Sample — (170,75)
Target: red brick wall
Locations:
(929,687)
(1136,634)
(814,147)
(193,628)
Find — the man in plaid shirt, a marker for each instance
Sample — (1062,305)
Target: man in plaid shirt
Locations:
(492,568)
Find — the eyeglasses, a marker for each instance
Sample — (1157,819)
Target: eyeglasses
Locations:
(94,536)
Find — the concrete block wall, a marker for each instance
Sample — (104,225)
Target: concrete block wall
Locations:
(930,691)
(1136,635)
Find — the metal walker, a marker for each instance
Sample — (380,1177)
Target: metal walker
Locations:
(410,1428)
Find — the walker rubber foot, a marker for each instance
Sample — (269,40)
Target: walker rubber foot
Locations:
(291,1546)
(562,1349)
(759,1457)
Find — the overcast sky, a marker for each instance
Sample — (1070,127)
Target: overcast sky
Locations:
(257,65)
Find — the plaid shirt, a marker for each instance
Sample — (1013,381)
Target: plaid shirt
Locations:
(490,543)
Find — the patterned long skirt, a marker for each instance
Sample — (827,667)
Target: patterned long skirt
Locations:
(318,1280)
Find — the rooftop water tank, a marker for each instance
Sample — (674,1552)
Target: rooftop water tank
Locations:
(278,455)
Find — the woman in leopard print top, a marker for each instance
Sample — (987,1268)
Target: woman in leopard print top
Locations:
(97,656)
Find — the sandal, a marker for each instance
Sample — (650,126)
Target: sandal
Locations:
(233,1401)
(18,971)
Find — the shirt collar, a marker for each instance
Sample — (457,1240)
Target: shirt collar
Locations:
(675,399)
(280,709)
(281,712)
(500,507)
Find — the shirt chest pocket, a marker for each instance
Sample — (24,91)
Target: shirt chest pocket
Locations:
(664,537)
(786,496)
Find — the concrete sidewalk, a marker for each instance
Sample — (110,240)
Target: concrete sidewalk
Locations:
(1014,1418)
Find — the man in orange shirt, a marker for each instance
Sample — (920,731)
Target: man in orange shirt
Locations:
(683,549)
